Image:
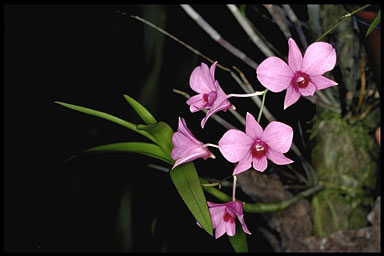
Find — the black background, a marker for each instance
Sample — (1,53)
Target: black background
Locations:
(90,55)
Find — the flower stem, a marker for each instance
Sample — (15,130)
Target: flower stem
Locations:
(234,188)
(174,38)
(262,106)
(262,207)
(239,117)
(245,24)
(342,18)
(211,145)
(216,36)
(245,95)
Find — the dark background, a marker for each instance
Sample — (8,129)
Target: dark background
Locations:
(90,55)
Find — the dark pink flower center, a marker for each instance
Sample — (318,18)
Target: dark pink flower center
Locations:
(259,149)
(228,217)
(300,79)
(205,98)
(209,98)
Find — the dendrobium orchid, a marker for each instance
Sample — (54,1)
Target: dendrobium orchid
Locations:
(186,147)
(210,95)
(256,145)
(223,218)
(303,75)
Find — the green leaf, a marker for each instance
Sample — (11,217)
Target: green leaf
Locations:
(162,133)
(188,185)
(374,23)
(143,148)
(239,240)
(141,110)
(108,117)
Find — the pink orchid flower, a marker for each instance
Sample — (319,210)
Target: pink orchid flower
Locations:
(186,147)
(303,75)
(210,95)
(223,218)
(255,146)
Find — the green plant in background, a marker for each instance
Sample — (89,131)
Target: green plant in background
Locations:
(344,151)
(345,159)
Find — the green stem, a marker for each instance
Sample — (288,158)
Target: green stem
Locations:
(262,105)
(262,207)
(342,18)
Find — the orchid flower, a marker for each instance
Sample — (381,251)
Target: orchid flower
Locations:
(210,95)
(186,147)
(223,218)
(256,145)
(303,75)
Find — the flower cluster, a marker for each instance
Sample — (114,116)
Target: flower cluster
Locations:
(302,76)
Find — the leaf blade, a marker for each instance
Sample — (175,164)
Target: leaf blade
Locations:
(374,23)
(162,133)
(144,114)
(143,148)
(239,240)
(107,117)
(187,183)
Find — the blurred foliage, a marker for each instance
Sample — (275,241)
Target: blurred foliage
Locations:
(154,51)
(345,158)
(345,153)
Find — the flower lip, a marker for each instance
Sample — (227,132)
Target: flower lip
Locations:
(259,149)
(229,218)
(300,80)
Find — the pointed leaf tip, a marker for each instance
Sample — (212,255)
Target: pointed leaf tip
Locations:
(144,114)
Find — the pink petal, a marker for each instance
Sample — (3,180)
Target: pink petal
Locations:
(295,58)
(244,164)
(291,96)
(193,154)
(277,157)
(217,216)
(201,80)
(214,205)
(221,103)
(220,230)
(260,164)
(319,58)
(278,136)
(182,127)
(235,206)
(230,227)
(252,127)
(322,82)
(181,144)
(244,226)
(274,74)
(196,103)
(309,90)
(212,70)
(234,145)
(242,222)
